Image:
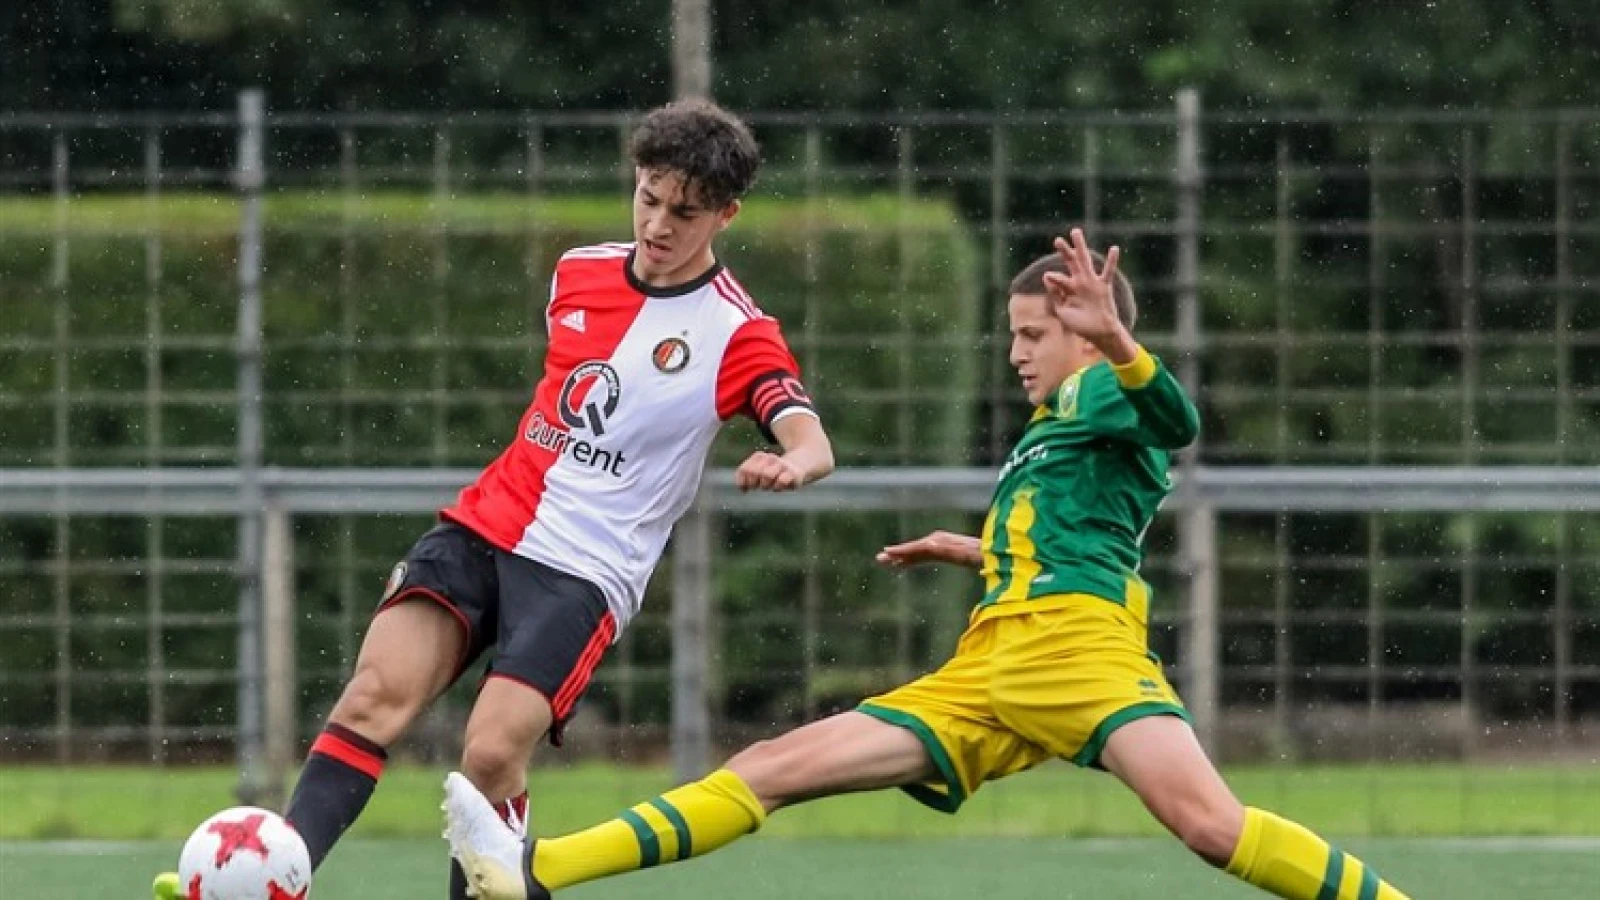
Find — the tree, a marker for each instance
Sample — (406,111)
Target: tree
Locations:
(897,54)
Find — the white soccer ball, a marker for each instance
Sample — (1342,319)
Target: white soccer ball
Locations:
(244,853)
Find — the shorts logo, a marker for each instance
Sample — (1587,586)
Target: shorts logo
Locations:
(589,396)
(397,579)
(670,356)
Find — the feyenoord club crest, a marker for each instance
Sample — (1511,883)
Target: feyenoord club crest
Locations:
(671,355)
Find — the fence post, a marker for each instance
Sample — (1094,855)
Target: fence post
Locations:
(278,642)
(691,649)
(691,49)
(60,190)
(1197,525)
(250,177)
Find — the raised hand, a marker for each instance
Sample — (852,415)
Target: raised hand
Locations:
(1083,300)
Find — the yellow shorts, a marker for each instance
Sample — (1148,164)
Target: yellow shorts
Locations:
(1027,686)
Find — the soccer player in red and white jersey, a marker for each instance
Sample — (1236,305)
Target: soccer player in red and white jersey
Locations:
(544,558)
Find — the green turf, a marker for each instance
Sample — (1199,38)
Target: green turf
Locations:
(45,803)
(928,869)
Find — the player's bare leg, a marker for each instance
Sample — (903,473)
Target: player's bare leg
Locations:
(409,656)
(841,754)
(1160,759)
(508,719)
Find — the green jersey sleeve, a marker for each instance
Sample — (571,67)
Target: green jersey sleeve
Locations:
(1141,403)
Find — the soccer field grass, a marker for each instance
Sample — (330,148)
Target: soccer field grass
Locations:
(766,868)
(103,832)
(1056,800)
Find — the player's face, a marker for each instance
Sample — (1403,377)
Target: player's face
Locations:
(1043,351)
(672,229)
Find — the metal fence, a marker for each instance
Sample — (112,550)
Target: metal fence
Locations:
(1401,289)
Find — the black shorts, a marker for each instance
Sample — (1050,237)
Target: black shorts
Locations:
(549,630)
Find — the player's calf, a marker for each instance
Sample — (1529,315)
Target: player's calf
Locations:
(1209,826)
(335,784)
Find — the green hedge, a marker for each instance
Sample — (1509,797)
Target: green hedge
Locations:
(372,305)
(401,331)
(404,331)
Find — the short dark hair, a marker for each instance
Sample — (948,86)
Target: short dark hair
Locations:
(1031,281)
(711,147)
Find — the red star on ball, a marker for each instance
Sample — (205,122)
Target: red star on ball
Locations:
(194,887)
(236,836)
(277,893)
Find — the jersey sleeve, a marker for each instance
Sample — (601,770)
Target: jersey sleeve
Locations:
(759,377)
(550,304)
(1140,402)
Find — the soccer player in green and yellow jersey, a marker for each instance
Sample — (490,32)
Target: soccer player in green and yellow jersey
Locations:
(1054,663)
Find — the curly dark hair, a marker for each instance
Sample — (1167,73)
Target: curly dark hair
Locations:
(1031,281)
(711,147)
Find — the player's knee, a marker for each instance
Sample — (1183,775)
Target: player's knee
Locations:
(1211,832)
(763,769)
(490,760)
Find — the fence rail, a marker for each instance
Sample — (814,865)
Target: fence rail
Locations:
(1212,493)
(215,491)
(1377,293)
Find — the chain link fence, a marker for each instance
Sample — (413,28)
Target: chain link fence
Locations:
(1417,289)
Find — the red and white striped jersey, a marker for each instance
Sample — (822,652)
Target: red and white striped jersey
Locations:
(637,381)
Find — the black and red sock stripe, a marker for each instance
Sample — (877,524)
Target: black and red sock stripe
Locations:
(335,784)
(342,744)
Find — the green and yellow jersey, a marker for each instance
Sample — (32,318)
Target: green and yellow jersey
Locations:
(1079,489)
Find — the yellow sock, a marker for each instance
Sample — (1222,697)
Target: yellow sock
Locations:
(1283,858)
(684,822)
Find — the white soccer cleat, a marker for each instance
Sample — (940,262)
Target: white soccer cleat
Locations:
(490,852)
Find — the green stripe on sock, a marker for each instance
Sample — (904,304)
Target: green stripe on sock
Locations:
(1333,875)
(685,846)
(649,846)
(1369,883)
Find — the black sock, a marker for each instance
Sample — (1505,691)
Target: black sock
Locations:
(515,813)
(334,786)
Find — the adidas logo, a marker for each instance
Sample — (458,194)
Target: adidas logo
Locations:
(573,320)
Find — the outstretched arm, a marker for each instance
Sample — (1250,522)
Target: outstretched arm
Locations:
(940,546)
(807,456)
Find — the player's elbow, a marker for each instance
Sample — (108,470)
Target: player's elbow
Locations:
(1182,431)
(825,464)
